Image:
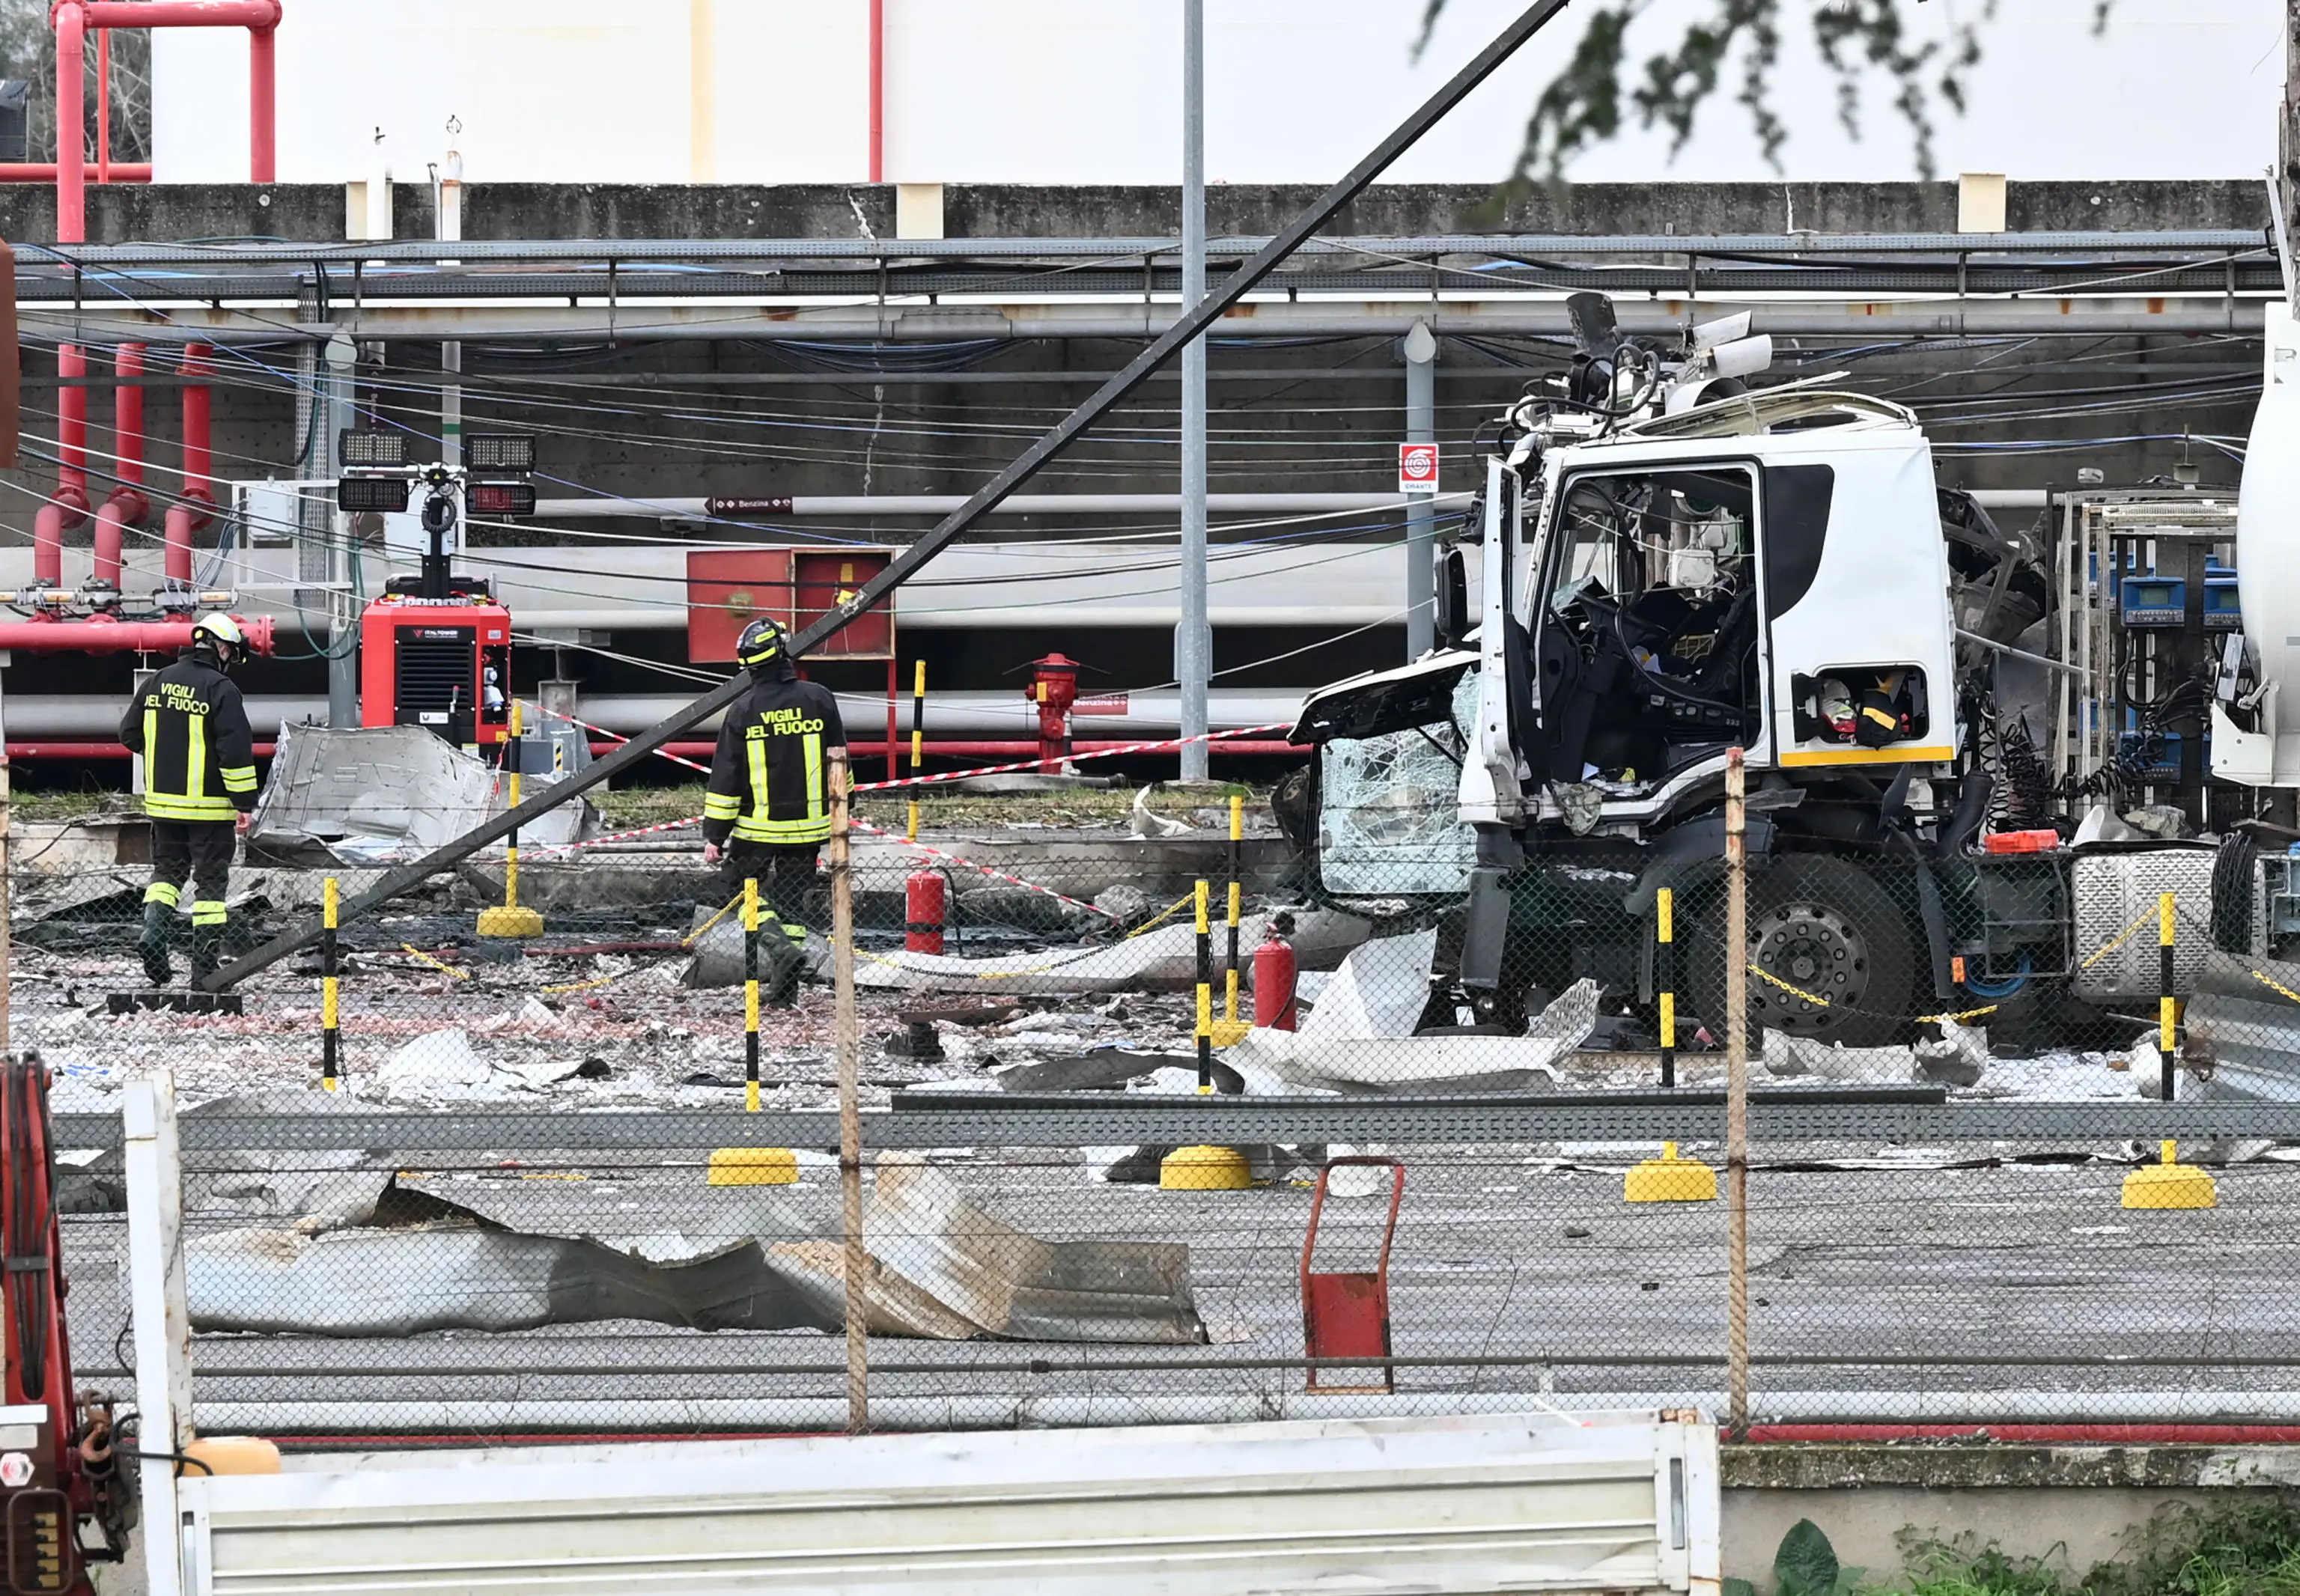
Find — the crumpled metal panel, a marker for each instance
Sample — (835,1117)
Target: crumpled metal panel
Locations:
(387,789)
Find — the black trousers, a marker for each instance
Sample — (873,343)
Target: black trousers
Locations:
(198,851)
(784,872)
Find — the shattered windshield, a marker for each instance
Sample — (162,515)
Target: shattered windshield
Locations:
(1388,815)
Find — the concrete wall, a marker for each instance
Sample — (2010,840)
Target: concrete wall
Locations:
(2076,1505)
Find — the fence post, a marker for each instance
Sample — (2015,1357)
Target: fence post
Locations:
(751,995)
(153,1164)
(331,1015)
(1737,1094)
(845,1032)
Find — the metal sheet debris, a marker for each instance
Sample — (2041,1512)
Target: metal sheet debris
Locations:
(374,793)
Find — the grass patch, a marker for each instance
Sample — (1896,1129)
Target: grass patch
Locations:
(2250,1548)
(634,807)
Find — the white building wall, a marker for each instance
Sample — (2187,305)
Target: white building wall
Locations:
(1087,91)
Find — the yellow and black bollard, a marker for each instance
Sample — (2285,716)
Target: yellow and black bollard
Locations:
(1230,1029)
(2168,1183)
(330,1017)
(918,743)
(751,995)
(1206,1169)
(751,1166)
(507,919)
(1668,1178)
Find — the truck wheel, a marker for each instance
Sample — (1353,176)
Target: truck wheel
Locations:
(1833,956)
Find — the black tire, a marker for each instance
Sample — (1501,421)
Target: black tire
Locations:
(1818,926)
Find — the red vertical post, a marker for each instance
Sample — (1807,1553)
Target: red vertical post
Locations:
(72,147)
(262,140)
(104,105)
(878,91)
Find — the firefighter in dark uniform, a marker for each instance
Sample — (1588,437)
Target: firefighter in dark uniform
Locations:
(768,812)
(199,785)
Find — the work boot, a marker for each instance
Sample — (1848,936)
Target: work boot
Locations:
(780,967)
(152,945)
(207,951)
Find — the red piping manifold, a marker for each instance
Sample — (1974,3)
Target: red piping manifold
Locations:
(71,20)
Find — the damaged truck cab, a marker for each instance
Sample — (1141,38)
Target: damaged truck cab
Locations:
(1654,585)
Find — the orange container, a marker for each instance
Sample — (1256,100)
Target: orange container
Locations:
(2020,842)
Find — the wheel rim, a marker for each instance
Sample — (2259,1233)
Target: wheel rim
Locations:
(1819,963)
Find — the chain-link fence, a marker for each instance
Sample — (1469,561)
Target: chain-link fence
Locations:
(534,1202)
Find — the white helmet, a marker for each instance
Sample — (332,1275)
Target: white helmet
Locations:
(219,631)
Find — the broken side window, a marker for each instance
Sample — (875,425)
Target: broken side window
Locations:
(1388,812)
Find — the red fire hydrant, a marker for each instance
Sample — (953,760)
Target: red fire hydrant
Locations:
(1053,688)
(923,911)
(1273,976)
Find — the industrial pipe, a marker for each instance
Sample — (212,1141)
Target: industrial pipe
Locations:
(71,22)
(126,507)
(878,91)
(67,507)
(101,636)
(69,750)
(73,18)
(44,172)
(198,505)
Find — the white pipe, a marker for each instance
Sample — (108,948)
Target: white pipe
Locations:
(94,716)
(832,506)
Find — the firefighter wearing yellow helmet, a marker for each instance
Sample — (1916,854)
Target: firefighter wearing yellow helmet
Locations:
(768,810)
(190,725)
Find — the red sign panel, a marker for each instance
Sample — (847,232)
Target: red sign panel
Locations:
(1417,468)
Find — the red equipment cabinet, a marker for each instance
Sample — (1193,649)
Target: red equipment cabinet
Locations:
(726,589)
(444,664)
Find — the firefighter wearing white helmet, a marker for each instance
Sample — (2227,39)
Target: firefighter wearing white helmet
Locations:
(190,725)
(768,810)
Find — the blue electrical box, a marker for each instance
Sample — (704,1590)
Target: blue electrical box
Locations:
(2163,765)
(2153,600)
(2220,611)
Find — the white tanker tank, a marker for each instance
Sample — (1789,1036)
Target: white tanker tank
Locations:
(2256,733)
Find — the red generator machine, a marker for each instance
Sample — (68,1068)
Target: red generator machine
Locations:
(441,663)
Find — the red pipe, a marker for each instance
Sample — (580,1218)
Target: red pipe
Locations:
(44,172)
(67,507)
(71,151)
(878,91)
(2095,1434)
(104,105)
(694,751)
(126,507)
(199,492)
(100,636)
(92,751)
(73,18)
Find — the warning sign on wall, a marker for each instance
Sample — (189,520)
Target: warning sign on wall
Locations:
(1417,468)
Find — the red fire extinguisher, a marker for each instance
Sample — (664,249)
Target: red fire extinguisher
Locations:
(1273,976)
(923,911)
